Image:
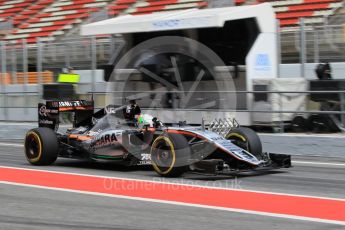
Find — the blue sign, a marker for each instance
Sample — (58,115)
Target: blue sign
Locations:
(167,23)
(262,62)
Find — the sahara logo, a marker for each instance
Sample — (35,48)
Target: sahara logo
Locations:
(106,139)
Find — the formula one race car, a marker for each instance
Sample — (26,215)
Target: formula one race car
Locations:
(109,135)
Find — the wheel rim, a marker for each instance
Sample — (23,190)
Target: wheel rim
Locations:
(239,140)
(163,155)
(33,147)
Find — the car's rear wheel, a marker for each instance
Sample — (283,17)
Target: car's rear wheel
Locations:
(170,154)
(246,139)
(41,146)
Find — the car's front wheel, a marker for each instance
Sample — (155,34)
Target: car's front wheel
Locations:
(41,146)
(170,155)
(246,139)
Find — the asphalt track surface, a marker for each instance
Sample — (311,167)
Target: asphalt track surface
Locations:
(37,208)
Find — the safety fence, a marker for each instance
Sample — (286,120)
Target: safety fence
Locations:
(304,45)
(25,67)
(22,62)
(15,106)
(314,44)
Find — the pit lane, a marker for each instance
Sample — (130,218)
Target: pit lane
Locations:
(311,176)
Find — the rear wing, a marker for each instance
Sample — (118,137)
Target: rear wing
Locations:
(49,113)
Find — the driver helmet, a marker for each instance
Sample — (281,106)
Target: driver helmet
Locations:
(145,119)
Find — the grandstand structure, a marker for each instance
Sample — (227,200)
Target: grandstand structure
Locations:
(51,20)
(314,11)
(56,21)
(44,38)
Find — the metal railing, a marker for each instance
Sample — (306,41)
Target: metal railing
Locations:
(303,45)
(338,116)
(80,53)
(320,44)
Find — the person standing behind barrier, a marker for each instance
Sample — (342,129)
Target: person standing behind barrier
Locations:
(323,71)
(70,77)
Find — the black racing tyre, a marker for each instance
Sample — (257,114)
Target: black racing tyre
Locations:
(170,154)
(41,146)
(299,124)
(246,139)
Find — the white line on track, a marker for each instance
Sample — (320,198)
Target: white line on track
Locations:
(318,163)
(184,204)
(11,144)
(341,136)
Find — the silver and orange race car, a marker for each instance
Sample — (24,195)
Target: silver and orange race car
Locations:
(106,135)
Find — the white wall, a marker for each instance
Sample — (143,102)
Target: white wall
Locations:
(294,70)
(86,75)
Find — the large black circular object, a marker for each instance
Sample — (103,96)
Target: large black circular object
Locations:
(246,139)
(41,146)
(170,154)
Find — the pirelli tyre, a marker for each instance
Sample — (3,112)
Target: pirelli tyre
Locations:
(41,146)
(246,139)
(170,154)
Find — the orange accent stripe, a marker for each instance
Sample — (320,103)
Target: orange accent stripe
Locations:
(65,108)
(80,137)
(75,108)
(73,136)
(84,138)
